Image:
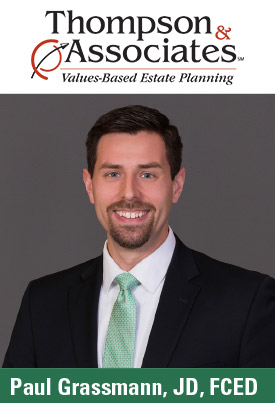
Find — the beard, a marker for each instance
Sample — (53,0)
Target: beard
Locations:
(130,236)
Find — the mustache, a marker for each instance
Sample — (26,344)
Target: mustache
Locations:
(132,205)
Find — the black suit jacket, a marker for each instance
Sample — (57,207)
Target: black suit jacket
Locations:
(210,314)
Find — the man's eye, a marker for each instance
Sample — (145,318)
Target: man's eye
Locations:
(113,174)
(147,175)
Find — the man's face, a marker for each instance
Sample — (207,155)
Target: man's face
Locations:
(132,189)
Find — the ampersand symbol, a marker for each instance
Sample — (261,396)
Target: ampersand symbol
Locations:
(222,31)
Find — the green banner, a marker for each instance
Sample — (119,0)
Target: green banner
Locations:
(146,385)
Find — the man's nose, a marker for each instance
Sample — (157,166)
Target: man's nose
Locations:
(129,188)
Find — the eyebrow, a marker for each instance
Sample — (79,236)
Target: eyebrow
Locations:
(109,166)
(150,165)
(140,166)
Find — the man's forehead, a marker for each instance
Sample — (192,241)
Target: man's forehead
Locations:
(143,148)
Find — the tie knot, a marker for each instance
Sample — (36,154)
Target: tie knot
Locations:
(127,281)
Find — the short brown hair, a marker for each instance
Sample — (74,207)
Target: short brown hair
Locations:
(133,119)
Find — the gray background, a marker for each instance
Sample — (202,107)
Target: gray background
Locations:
(227,208)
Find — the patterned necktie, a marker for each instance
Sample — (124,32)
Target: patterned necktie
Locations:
(121,334)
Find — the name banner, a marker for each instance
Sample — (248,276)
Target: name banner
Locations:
(113,385)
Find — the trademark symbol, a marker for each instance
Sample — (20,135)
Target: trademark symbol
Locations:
(240,59)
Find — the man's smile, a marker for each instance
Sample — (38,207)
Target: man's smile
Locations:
(131,214)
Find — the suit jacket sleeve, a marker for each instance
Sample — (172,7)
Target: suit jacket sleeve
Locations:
(258,341)
(20,353)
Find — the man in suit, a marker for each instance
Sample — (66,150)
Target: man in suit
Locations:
(148,300)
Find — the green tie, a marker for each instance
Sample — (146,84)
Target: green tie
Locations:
(121,334)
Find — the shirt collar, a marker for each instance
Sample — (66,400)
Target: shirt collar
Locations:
(149,272)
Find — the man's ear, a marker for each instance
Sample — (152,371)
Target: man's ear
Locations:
(178,183)
(88,184)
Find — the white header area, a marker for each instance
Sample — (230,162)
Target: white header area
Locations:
(162,47)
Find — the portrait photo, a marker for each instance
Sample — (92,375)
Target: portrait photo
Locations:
(163,203)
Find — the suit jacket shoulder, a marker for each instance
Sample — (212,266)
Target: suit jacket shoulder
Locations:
(227,278)
(68,277)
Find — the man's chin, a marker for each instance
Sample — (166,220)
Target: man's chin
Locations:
(131,237)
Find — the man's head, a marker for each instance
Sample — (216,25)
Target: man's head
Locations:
(134,175)
(134,119)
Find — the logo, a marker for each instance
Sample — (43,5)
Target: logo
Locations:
(50,53)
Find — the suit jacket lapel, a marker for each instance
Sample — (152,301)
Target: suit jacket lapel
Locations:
(177,297)
(83,307)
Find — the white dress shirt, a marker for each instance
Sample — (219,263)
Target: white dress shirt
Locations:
(150,272)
